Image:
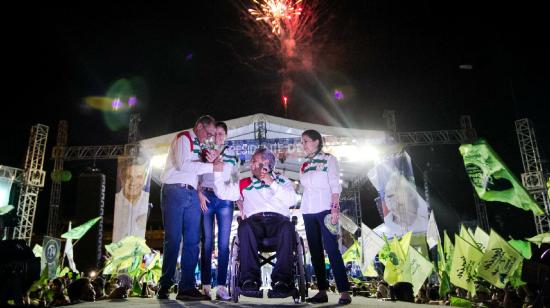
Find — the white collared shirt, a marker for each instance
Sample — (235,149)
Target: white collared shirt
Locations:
(130,219)
(320,177)
(183,164)
(259,197)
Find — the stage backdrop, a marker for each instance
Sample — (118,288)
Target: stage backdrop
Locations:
(132,198)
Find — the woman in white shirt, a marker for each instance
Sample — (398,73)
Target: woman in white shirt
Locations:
(320,177)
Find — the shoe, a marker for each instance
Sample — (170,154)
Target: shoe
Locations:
(281,289)
(222,294)
(192,295)
(344,301)
(318,299)
(250,285)
(163,293)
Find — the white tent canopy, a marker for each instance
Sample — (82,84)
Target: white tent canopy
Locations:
(351,146)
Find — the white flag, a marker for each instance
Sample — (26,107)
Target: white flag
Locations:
(371,244)
(69,252)
(432,235)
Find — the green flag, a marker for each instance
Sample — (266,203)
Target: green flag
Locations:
(448,248)
(515,277)
(466,235)
(37,250)
(523,247)
(466,259)
(393,271)
(540,239)
(420,268)
(481,238)
(124,253)
(460,302)
(442,271)
(492,180)
(499,261)
(6,209)
(352,254)
(78,232)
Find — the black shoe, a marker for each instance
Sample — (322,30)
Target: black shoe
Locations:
(344,301)
(318,299)
(163,293)
(192,295)
(250,285)
(281,290)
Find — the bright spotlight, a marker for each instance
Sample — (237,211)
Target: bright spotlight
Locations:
(92,274)
(370,153)
(158,161)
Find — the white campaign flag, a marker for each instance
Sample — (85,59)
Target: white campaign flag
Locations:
(371,244)
(69,252)
(432,235)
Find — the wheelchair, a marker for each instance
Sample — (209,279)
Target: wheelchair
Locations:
(269,245)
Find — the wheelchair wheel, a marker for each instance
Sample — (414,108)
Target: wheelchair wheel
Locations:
(300,271)
(233,271)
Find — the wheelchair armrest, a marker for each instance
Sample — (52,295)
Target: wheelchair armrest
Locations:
(295,220)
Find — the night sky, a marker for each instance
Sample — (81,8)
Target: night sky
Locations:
(192,58)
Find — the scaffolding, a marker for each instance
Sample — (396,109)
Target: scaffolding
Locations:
(533,178)
(33,180)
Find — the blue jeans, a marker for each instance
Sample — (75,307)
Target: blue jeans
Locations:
(181,217)
(319,238)
(223,211)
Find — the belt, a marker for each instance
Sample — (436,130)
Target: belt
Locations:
(210,189)
(187,186)
(267,214)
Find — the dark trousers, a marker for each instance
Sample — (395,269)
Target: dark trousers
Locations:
(251,231)
(319,238)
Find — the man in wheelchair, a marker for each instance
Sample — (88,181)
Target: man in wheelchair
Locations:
(266,199)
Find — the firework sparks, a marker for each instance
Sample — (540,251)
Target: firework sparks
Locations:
(276,12)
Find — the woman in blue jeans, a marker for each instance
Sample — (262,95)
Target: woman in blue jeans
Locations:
(221,211)
(320,207)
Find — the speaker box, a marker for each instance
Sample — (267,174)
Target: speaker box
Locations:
(90,202)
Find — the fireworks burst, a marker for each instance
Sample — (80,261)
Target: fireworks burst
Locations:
(276,12)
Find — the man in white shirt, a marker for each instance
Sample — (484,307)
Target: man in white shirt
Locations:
(131,202)
(266,199)
(180,206)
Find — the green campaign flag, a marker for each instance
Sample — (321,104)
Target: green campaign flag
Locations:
(420,268)
(523,247)
(442,271)
(460,302)
(481,238)
(466,235)
(499,261)
(395,268)
(125,253)
(384,253)
(78,232)
(492,180)
(540,239)
(515,277)
(448,248)
(466,259)
(352,254)
(6,209)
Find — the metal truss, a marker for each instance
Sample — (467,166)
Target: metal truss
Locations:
(33,180)
(533,178)
(13,174)
(55,196)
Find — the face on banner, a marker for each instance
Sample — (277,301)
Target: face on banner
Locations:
(132,199)
(400,205)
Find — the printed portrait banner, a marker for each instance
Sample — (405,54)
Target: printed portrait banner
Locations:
(132,198)
(399,204)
